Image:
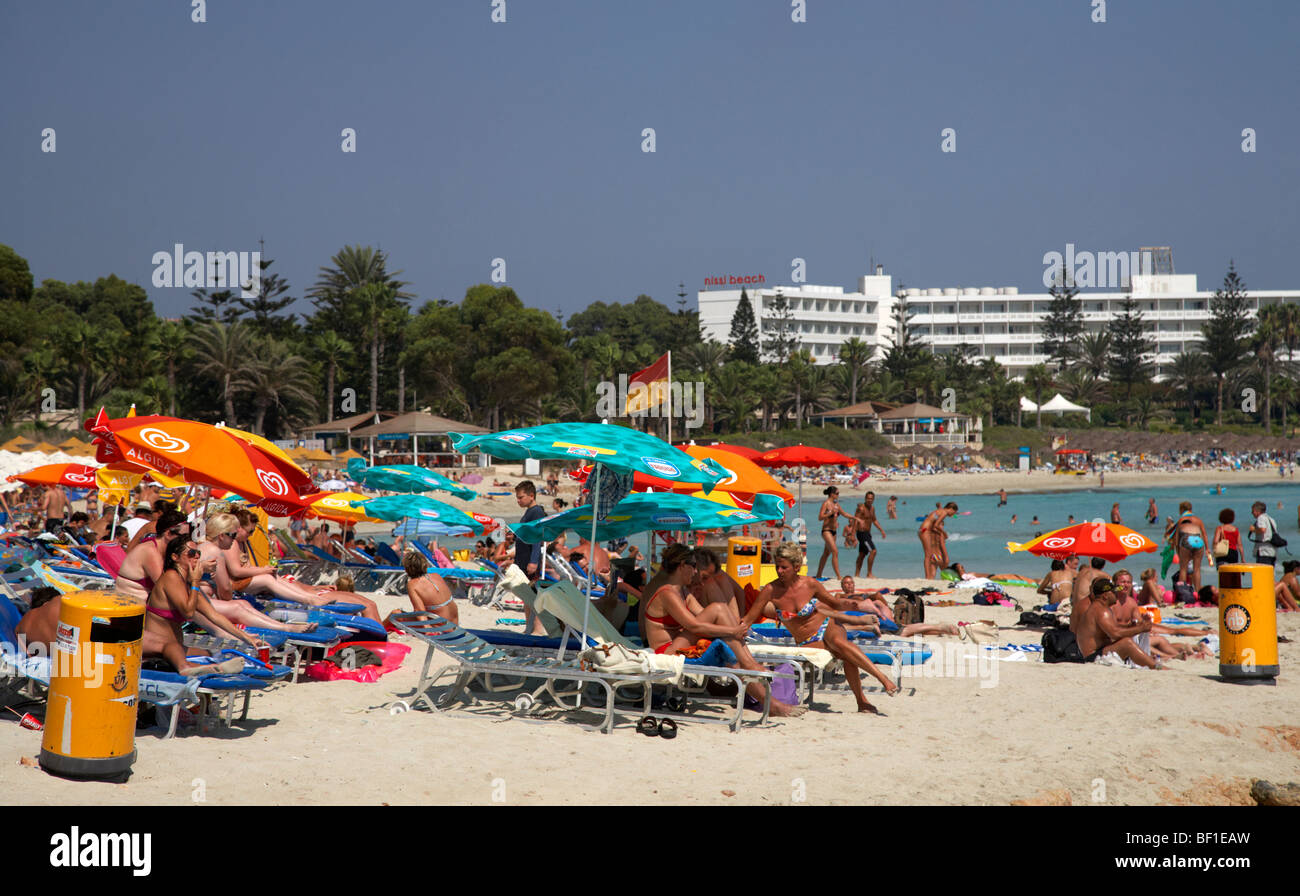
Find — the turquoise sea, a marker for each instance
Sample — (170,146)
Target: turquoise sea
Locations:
(979,541)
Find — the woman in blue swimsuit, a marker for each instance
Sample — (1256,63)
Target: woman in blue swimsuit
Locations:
(1189,540)
(815,619)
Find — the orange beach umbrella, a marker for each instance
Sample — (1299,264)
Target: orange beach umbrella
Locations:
(70,475)
(1109,541)
(205,455)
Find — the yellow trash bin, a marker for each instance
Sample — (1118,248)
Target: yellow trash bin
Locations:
(1247,623)
(94,677)
(744,559)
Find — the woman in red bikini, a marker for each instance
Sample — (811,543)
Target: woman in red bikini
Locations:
(176,599)
(673,621)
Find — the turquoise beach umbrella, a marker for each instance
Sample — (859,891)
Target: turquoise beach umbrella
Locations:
(617,447)
(623,450)
(406,478)
(416,507)
(646,511)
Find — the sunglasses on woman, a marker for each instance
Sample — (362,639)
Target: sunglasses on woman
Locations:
(193,553)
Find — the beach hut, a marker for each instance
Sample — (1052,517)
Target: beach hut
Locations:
(411,427)
(17,445)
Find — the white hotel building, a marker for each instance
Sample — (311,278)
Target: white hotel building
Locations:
(997,322)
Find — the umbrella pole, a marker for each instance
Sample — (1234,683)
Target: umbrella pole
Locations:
(591,553)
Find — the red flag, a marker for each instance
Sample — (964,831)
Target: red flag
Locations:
(648,388)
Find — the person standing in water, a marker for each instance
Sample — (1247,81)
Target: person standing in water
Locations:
(932,539)
(1114,514)
(891,507)
(830,514)
(1153,513)
(864,518)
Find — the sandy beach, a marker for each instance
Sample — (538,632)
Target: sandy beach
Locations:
(1018,731)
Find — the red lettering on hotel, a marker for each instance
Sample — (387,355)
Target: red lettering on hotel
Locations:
(736,280)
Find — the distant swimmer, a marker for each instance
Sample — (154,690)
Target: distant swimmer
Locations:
(1013,519)
(1002,497)
(1034,521)
(891,507)
(1153,513)
(1114,514)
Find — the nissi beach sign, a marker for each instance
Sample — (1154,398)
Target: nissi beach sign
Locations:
(736,280)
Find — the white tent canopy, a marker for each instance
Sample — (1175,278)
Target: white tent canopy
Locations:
(1027,405)
(1061,405)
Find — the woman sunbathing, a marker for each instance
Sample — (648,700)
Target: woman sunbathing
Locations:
(673,623)
(144,562)
(176,599)
(218,588)
(263,579)
(815,619)
(428,591)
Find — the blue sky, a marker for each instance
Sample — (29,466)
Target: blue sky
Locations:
(774,140)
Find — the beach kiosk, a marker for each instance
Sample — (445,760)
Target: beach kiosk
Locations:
(1247,624)
(94,679)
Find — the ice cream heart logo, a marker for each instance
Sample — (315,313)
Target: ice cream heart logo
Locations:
(157,438)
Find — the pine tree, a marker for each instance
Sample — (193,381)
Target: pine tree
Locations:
(1064,322)
(1224,334)
(744,332)
(782,340)
(216,305)
(1128,360)
(270,299)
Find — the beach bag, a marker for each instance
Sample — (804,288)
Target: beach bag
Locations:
(1060,646)
(908,609)
(786,689)
(614,659)
(1221,549)
(990,595)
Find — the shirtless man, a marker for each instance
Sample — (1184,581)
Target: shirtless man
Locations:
(1153,512)
(1059,582)
(55,506)
(715,586)
(39,626)
(1081,593)
(1002,497)
(1127,611)
(1114,514)
(874,603)
(932,539)
(863,519)
(1099,633)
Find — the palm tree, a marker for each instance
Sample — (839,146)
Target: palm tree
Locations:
(1188,375)
(221,351)
(170,346)
(1038,380)
(276,379)
(1094,350)
(855,355)
(1265,344)
(359,290)
(331,348)
(81,344)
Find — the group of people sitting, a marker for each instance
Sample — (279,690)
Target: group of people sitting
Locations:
(1109,616)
